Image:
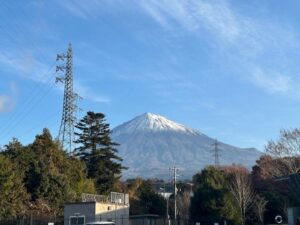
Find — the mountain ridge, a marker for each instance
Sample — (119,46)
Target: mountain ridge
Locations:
(151,143)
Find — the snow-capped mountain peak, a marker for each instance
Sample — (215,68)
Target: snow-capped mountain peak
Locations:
(150,143)
(152,122)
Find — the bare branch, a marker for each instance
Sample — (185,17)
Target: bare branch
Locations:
(241,189)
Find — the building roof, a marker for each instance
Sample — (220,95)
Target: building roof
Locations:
(100,223)
(144,216)
(75,203)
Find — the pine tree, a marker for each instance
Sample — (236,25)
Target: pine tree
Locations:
(98,151)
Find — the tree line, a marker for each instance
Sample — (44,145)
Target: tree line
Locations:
(233,193)
(40,177)
(239,196)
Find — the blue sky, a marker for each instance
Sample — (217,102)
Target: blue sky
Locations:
(227,68)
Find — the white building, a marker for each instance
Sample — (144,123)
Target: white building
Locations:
(114,207)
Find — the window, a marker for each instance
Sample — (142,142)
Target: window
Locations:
(77,220)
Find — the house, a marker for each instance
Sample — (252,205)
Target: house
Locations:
(92,208)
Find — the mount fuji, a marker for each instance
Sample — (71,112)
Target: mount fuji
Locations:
(150,144)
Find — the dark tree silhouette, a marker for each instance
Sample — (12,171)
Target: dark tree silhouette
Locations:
(98,151)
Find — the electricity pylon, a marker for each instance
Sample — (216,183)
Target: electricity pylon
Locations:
(216,153)
(68,120)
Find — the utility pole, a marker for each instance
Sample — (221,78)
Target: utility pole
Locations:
(175,170)
(216,153)
(68,120)
(167,198)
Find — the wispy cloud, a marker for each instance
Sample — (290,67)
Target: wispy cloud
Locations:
(276,83)
(75,9)
(250,39)
(86,93)
(218,17)
(33,69)
(27,66)
(194,15)
(8,101)
(247,41)
(90,9)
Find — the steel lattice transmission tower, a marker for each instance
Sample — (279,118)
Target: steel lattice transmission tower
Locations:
(216,153)
(68,120)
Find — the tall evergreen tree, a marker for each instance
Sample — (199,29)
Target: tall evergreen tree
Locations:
(98,151)
(13,195)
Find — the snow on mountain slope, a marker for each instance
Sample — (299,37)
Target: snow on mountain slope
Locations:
(152,122)
(150,144)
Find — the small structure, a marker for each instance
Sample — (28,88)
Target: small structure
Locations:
(145,219)
(92,208)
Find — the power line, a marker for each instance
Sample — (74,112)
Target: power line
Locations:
(36,96)
(38,88)
(48,119)
(35,91)
(17,29)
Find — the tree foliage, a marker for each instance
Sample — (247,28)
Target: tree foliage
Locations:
(13,195)
(144,199)
(277,194)
(98,151)
(40,177)
(212,200)
(44,176)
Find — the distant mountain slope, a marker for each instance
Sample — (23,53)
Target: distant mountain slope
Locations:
(150,144)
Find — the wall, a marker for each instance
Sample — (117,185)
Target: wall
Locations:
(96,211)
(113,212)
(81,208)
(293,214)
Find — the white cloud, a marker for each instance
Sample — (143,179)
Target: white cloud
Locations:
(194,14)
(218,17)
(75,9)
(8,102)
(273,82)
(247,41)
(27,66)
(98,98)
(90,9)
(30,68)
(86,93)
